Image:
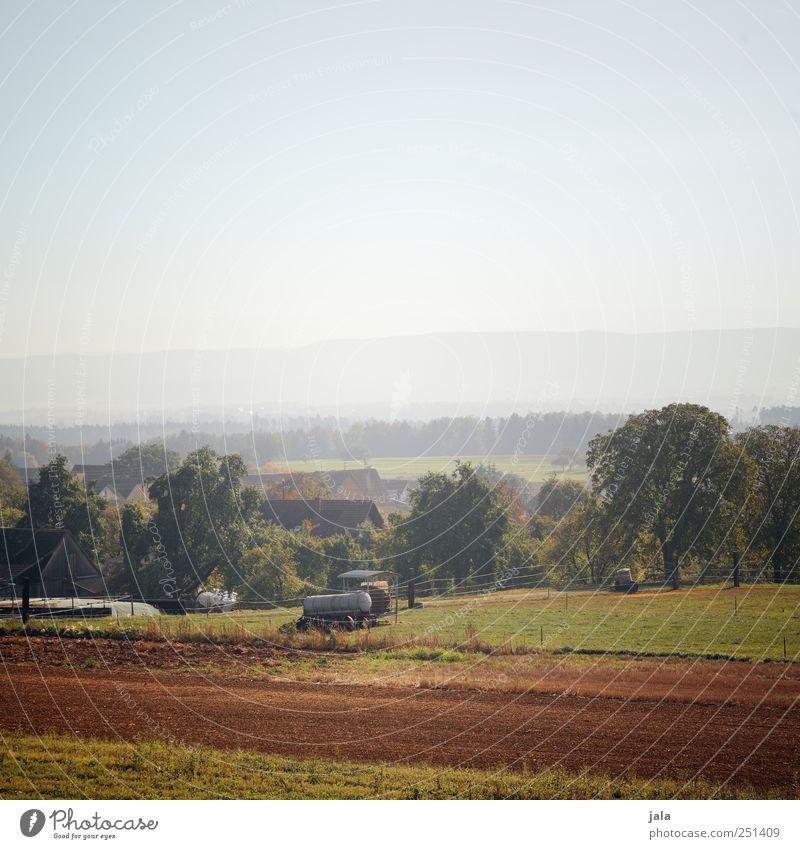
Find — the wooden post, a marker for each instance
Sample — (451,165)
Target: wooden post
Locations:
(412,600)
(26,599)
(736,560)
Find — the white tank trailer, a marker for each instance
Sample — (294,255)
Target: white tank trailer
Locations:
(343,610)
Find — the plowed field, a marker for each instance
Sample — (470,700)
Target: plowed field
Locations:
(734,724)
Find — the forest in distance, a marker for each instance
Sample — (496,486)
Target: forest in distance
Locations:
(270,441)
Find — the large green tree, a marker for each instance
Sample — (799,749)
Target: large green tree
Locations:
(59,500)
(455,527)
(774,511)
(579,547)
(12,493)
(202,521)
(268,571)
(676,473)
(148,460)
(557,497)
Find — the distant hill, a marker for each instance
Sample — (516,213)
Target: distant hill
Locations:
(414,377)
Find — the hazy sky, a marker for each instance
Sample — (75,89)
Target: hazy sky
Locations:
(210,174)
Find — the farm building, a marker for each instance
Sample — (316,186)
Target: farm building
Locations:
(355,484)
(327,516)
(349,484)
(398,495)
(117,488)
(399,489)
(90,472)
(51,560)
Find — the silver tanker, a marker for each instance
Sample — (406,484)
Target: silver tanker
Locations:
(343,610)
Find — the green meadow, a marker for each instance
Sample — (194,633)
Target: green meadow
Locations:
(760,623)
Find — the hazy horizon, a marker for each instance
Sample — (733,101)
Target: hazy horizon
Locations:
(370,338)
(217,176)
(418,377)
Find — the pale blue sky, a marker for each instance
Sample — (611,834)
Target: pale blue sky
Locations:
(273,173)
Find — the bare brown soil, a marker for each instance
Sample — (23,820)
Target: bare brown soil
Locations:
(732,723)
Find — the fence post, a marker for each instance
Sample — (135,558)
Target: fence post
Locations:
(26,599)
(736,559)
(412,598)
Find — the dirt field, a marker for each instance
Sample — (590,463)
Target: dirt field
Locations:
(732,723)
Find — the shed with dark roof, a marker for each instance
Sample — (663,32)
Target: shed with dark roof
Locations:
(51,560)
(326,516)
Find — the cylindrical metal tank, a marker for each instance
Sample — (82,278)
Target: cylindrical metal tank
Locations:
(354,604)
(216,600)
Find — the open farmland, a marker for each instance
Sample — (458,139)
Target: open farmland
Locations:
(717,729)
(441,704)
(531,467)
(749,623)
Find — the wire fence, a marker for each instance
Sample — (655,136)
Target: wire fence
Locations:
(540,577)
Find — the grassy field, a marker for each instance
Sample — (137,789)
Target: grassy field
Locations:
(61,767)
(715,622)
(531,467)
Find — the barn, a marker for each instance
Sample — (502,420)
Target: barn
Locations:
(325,516)
(115,487)
(51,560)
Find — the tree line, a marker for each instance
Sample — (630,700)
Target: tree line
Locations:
(325,438)
(535,433)
(668,492)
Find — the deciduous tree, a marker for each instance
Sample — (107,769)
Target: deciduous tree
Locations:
(774,512)
(675,472)
(203,517)
(59,500)
(455,527)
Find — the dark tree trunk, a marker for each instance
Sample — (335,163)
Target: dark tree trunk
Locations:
(778,533)
(671,575)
